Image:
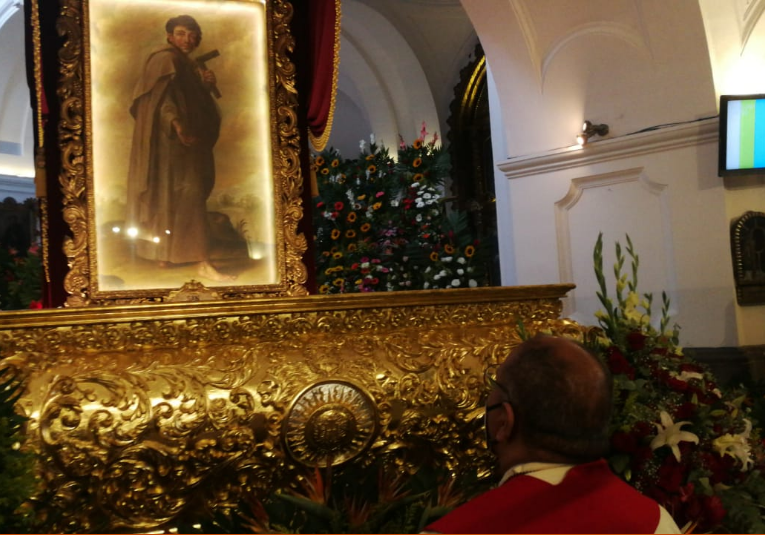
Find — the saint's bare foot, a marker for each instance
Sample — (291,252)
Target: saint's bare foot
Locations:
(207,271)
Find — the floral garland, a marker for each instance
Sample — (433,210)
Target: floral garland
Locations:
(676,435)
(381,225)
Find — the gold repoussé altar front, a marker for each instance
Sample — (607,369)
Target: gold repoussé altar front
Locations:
(144,415)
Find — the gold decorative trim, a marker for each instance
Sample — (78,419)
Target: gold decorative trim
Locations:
(75,177)
(146,416)
(320,142)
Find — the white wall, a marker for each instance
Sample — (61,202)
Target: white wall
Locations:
(16,133)
(642,67)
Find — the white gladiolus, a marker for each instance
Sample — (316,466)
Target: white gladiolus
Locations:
(472,283)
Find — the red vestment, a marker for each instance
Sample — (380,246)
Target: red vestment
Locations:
(589,499)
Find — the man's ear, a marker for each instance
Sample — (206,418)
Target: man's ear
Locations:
(507,424)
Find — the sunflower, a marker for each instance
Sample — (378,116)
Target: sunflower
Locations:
(319,161)
(335,233)
(361,197)
(351,218)
(377,206)
(417,144)
(365,227)
(351,247)
(370,157)
(329,271)
(417,177)
(337,255)
(469,251)
(335,162)
(448,249)
(325,171)
(350,233)
(325,253)
(371,168)
(338,282)
(417,162)
(324,288)
(434,256)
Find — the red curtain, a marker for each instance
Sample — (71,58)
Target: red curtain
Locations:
(324,38)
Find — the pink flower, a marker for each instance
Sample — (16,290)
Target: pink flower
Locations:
(379,194)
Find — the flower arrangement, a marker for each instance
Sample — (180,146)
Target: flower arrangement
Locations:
(676,435)
(382,225)
(20,278)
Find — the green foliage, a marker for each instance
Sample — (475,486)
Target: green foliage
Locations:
(676,435)
(361,499)
(382,225)
(16,465)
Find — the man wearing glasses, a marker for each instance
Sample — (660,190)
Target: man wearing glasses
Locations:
(547,416)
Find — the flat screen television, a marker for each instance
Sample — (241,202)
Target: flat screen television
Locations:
(742,135)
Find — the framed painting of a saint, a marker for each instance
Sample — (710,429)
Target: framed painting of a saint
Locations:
(189,159)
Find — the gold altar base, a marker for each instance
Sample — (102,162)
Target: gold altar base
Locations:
(143,415)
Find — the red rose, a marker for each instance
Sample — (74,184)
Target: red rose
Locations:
(685,411)
(671,475)
(618,364)
(339,205)
(636,340)
(35,304)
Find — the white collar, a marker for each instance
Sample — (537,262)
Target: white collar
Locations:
(527,468)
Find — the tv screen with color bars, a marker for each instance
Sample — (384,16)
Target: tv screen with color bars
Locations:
(742,135)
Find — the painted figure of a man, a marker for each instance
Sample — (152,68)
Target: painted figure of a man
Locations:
(172,169)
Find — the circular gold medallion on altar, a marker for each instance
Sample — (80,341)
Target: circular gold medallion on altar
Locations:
(329,423)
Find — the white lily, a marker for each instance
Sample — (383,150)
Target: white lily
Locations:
(686,376)
(670,434)
(737,446)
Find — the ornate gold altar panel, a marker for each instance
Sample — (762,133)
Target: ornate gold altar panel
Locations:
(144,415)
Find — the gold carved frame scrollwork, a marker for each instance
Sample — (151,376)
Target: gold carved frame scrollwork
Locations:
(146,418)
(88,134)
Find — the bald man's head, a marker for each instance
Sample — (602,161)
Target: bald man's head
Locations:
(561,396)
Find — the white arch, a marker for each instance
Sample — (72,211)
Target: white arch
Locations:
(7,9)
(388,79)
(608,29)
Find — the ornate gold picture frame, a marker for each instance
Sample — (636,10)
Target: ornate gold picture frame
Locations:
(180,150)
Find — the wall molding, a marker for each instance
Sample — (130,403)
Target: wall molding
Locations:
(16,187)
(629,145)
(577,188)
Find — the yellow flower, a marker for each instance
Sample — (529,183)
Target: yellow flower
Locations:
(335,162)
(669,434)
(325,253)
(329,271)
(469,251)
(324,288)
(371,168)
(325,171)
(448,249)
(319,161)
(417,177)
(361,197)
(417,144)
(335,233)
(365,227)
(377,206)
(338,282)
(417,162)
(434,256)
(351,247)
(337,255)
(370,157)
(351,218)
(350,233)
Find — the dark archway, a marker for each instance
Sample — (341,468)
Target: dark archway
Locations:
(471,155)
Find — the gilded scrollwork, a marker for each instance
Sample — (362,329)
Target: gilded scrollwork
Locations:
(142,419)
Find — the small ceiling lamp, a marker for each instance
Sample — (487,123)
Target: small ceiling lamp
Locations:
(589,130)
